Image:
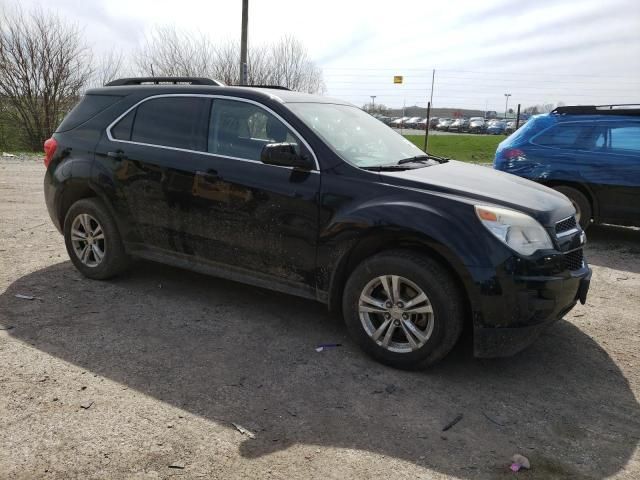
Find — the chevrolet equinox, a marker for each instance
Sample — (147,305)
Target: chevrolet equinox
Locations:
(311,196)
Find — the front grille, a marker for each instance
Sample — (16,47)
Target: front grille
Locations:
(574,260)
(566,225)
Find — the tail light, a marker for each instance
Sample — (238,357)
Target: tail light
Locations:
(50,146)
(512,154)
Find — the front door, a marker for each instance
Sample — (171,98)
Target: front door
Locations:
(254,216)
(618,182)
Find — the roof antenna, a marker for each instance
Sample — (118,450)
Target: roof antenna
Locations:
(152,74)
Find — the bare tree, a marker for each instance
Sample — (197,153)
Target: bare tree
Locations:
(108,67)
(542,108)
(171,52)
(44,64)
(291,67)
(226,63)
(379,109)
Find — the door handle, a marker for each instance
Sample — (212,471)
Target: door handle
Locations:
(210,175)
(117,155)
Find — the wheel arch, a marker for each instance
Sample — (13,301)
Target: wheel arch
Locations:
(73,191)
(80,188)
(375,242)
(582,188)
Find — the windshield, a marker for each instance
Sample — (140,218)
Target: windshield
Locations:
(355,135)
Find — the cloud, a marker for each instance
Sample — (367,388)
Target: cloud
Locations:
(346,46)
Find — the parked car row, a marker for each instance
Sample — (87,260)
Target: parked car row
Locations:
(408,122)
(458,125)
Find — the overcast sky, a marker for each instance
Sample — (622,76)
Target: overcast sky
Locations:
(540,51)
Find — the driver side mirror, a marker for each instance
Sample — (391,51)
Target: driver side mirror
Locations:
(285,155)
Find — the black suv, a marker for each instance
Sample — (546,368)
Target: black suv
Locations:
(312,196)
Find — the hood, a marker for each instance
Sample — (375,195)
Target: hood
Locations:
(483,185)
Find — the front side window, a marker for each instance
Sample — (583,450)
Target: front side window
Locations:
(356,136)
(240,129)
(179,122)
(626,138)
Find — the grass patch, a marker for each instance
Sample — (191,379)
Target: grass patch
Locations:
(468,148)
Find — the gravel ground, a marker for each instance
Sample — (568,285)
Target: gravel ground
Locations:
(147,377)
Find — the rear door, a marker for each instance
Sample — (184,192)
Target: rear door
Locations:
(153,153)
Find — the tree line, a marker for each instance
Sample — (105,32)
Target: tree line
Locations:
(46,64)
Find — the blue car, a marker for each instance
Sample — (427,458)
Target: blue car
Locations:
(589,153)
(496,127)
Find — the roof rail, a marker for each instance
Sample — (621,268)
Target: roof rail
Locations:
(163,80)
(621,109)
(274,87)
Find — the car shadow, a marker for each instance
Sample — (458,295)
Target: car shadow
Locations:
(614,247)
(234,353)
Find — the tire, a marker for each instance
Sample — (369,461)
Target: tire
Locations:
(581,204)
(439,329)
(94,213)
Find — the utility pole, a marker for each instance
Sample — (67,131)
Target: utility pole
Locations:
(433,80)
(426,127)
(429,103)
(506,104)
(373,103)
(243,42)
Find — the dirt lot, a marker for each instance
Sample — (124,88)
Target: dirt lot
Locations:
(125,379)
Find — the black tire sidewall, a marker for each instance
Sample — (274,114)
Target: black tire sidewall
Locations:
(115,259)
(435,283)
(578,198)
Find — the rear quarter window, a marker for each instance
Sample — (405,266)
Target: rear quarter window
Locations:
(87,108)
(529,129)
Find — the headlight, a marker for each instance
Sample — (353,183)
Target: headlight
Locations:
(515,229)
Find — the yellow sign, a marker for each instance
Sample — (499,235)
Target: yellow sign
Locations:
(397,79)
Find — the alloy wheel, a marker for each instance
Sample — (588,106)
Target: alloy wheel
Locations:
(87,239)
(396,313)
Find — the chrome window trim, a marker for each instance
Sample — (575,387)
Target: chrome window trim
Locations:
(203,95)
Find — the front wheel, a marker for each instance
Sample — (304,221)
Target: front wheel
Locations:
(404,309)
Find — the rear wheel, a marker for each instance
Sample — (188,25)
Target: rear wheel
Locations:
(580,203)
(93,241)
(403,309)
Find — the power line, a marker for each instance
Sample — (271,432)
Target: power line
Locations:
(493,72)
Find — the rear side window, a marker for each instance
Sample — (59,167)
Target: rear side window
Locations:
(179,122)
(626,138)
(88,107)
(560,136)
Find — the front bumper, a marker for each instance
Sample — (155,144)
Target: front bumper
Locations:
(527,305)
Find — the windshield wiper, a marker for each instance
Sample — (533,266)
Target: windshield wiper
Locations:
(423,158)
(422,161)
(385,168)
